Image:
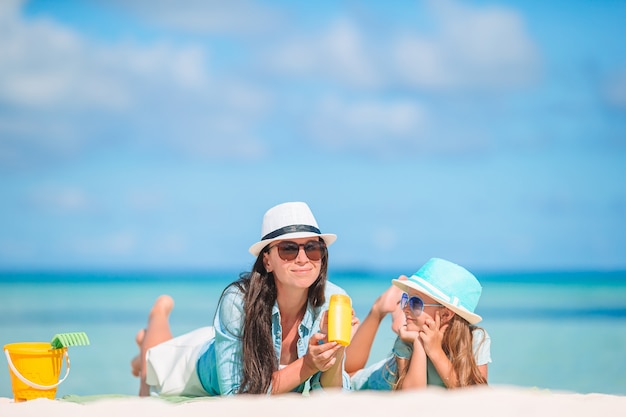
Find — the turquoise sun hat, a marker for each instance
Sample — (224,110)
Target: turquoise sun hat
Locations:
(447,283)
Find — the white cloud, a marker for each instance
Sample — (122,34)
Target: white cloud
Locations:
(384,239)
(485,47)
(120,243)
(9,9)
(170,244)
(234,17)
(16,250)
(339,53)
(615,89)
(146,200)
(368,124)
(68,94)
(43,64)
(128,243)
(470,48)
(65,94)
(66,200)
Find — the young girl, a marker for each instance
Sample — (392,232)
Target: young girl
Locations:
(438,342)
(267,335)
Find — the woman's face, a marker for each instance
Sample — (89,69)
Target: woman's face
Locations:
(301,272)
(416,323)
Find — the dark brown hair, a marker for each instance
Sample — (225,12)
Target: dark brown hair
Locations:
(259,295)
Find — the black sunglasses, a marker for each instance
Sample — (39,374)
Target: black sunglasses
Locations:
(288,250)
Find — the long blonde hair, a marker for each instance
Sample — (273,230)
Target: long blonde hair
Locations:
(457,344)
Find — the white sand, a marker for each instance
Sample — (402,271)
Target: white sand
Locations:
(491,401)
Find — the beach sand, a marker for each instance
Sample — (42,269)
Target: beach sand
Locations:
(484,401)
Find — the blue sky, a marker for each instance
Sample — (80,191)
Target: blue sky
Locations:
(155,134)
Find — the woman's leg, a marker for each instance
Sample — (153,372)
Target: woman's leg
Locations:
(135,364)
(157,331)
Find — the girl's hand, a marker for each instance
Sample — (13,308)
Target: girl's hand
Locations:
(432,334)
(408,336)
(355,324)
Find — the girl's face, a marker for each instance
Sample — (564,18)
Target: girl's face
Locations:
(300,272)
(416,323)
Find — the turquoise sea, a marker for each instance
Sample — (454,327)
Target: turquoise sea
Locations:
(561,331)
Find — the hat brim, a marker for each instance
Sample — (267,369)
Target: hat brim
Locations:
(406,285)
(255,249)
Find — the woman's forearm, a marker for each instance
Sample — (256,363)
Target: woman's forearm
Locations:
(286,379)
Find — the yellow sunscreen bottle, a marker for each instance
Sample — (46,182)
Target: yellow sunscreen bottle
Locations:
(340,319)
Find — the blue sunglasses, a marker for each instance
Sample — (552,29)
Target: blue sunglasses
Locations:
(415,303)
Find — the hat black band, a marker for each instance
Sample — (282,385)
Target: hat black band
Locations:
(291,229)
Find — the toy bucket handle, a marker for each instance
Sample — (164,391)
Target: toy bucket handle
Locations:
(33,384)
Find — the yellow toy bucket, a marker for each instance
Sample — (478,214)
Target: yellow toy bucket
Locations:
(35,368)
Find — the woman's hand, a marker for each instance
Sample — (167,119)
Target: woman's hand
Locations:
(322,355)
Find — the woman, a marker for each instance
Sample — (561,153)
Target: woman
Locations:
(438,341)
(266,334)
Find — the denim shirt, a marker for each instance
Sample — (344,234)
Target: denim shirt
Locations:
(220,367)
(382,375)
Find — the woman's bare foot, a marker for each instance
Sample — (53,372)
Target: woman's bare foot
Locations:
(156,332)
(163,305)
(139,336)
(135,363)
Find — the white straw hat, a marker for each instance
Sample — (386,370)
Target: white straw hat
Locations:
(289,221)
(447,283)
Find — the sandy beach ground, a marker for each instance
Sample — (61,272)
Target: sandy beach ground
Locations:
(486,401)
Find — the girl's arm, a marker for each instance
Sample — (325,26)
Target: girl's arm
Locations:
(359,349)
(444,368)
(432,337)
(484,371)
(481,346)
(416,373)
(358,352)
(446,371)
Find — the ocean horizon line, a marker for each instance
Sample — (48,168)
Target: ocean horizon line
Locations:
(191,275)
(81,316)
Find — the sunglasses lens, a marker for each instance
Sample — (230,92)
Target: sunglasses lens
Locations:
(314,250)
(404,300)
(417,305)
(288,251)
